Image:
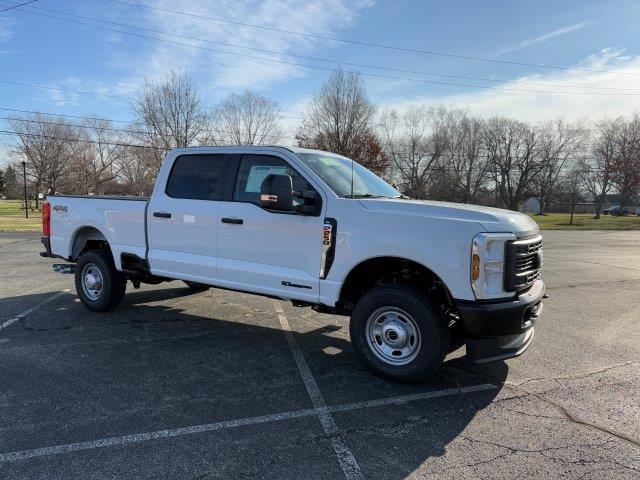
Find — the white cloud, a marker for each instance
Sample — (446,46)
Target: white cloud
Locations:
(543,38)
(216,73)
(70,88)
(536,105)
(7,25)
(232,72)
(6,28)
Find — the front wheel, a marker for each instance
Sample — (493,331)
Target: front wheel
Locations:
(399,333)
(99,284)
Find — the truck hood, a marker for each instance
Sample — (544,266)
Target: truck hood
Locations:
(491,219)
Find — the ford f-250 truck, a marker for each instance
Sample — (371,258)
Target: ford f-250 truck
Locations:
(418,278)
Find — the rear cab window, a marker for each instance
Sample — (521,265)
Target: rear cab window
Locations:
(199,177)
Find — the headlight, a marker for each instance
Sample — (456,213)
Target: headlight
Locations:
(487,265)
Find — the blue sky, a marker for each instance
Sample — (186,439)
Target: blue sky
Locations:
(592,35)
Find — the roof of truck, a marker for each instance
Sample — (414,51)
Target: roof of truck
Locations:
(249,148)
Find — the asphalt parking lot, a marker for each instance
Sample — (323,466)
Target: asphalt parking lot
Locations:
(227,385)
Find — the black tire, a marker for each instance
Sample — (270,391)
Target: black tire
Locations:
(424,315)
(114,283)
(196,287)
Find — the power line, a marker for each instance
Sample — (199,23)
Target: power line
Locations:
(81,140)
(32,85)
(138,132)
(77,140)
(118,130)
(16,6)
(276,139)
(318,67)
(370,44)
(337,62)
(75,125)
(109,119)
(66,116)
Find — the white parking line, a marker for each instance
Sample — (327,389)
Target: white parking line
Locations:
(29,311)
(347,461)
(346,407)
(209,427)
(143,437)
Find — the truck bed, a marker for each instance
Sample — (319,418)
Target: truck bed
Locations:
(120,219)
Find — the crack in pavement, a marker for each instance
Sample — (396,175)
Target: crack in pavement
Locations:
(566,414)
(596,284)
(573,418)
(572,377)
(515,450)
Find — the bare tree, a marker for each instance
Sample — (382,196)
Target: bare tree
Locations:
(247,119)
(169,113)
(339,119)
(558,142)
(47,145)
(97,157)
(514,161)
(415,141)
(135,174)
(571,187)
(626,163)
(464,166)
(597,172)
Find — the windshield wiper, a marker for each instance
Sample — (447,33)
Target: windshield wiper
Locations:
(365,195)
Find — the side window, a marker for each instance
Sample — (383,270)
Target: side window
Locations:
(198,177)
(255,168)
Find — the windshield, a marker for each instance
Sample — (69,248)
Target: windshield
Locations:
(336,171)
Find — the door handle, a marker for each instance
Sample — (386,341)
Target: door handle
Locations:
(162,214)
(234,221)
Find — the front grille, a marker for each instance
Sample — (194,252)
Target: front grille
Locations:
(523,261)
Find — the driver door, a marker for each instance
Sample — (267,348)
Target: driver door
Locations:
(267,252)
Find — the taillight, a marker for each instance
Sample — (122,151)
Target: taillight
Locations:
(46,219)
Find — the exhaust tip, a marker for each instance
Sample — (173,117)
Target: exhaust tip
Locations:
(64,268)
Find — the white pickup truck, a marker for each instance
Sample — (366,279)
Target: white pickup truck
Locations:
(418,278)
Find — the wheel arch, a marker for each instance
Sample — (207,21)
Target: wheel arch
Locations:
(379,270)
(87,238)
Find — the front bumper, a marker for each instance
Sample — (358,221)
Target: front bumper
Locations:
(500,330)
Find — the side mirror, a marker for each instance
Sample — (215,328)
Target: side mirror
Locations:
(276,192)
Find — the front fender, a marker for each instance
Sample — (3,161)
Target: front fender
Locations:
(441,245)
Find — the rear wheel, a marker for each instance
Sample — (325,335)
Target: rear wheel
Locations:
(399,333)
(99,285)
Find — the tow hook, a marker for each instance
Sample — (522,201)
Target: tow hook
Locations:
(64,267)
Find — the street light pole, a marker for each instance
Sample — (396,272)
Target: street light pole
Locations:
(24,176)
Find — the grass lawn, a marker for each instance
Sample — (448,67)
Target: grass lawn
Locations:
(585,221)
(11,207)
(12,218)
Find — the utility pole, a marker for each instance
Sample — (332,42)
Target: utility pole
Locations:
(24,177)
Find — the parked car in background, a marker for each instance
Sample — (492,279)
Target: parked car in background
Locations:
(617,211)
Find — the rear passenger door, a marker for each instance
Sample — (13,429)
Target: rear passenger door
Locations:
(263,251)
(183,220)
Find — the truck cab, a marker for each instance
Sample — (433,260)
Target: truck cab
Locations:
(418,278)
